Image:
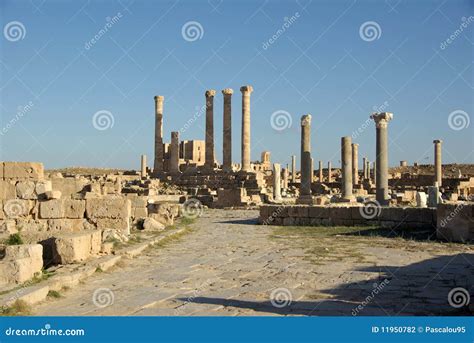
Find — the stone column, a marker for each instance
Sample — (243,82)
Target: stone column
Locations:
(355,163)
(346,168)
(174,152)
(367,168)
(437,162)
(329,171)
(143,167)
(277,182)
(403,163)
(364,168)
(381,124)
(321,171)
(158,163)
(246,91)
(293,169)
(312,170)
(227,131)
(374,171)
(285,178)
(210,157)
(305,185)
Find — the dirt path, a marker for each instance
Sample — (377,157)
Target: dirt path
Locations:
(229,266)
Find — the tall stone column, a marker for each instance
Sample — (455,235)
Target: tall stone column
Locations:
(227,131)
(346,167)
(329,171)
(312,170)
(293,169)
(374,171)
(367,168)
(321,171)
(276,182)
(285,178)
(381,186)
(364,168)
(355,163)
(305,185)
(143,167)
(158,163)
(246,91)
(174,152)
(210,157)
(437,162)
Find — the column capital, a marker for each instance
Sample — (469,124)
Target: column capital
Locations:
(246,89)
(227,91)
(437,141)
(306,120)
(355,145)
(210,93)
(159,98)
(381,119)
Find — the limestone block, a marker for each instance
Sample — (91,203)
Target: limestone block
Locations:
(26,190)
(65,225)
(51,209)
(455,222)
(7,190)
(318,212)
(96,241)
(122,225)
(43,187)
(151,224)
(139,201)
(74,208)
(53,195)
(303,211)
(31,225)
(21,263)
(140,212)
(293,211)
(110,207)
(17,208)
(23,170)
(68,186)
(72,248)
(340,213)
(107,248)
(8,227)
(421,199)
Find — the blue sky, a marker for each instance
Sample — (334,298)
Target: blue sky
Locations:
(322,64)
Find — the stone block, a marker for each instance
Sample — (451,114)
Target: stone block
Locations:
(23,170)
(138,201)
(455,222)
(110,207)
(318,212)
(43,186)
(122,225)
(69,186)
(7,190)
(50,195)
(21,263)
(139,212)
(72,248)
(17,208)
(340,213)
(151,224)
(107,248)
(96,241)
(303,211)
(51,209)
(288,221)
(66,225)
(74,208)
(26,190)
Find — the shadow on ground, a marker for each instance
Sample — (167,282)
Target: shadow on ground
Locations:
(417,289)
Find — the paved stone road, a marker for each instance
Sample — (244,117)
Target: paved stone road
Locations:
(229,266)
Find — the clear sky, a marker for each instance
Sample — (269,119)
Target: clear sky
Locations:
(337,60)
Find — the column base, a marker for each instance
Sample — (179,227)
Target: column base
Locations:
(305,200)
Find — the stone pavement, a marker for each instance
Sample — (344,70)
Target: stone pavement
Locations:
(228,265)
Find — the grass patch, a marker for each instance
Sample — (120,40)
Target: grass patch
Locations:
(18,308)
(173,237)
(187,221)
(14,239)
(54,294)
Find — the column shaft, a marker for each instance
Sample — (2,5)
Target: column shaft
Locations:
(437,162)
(381,185)
(246,91)
(277,182)
(227,130)
(210,157)
(158,162)
(346,166)
(143,166)
(355,163)
(174,152)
